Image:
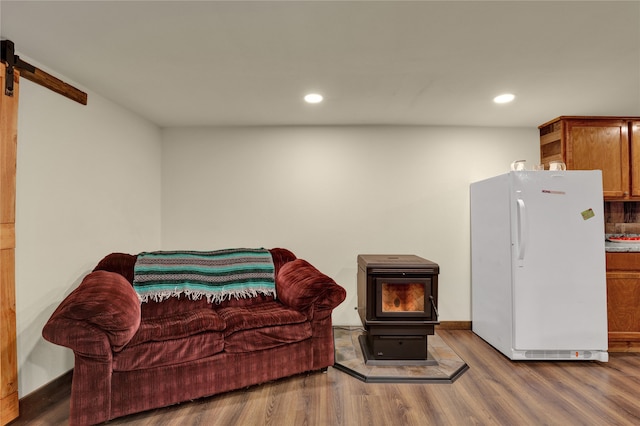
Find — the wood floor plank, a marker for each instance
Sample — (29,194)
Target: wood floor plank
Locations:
(493,391)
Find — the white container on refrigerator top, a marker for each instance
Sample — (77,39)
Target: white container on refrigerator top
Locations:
(538,276)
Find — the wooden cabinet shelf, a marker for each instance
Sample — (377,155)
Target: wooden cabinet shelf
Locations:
(551,143)
(610,144)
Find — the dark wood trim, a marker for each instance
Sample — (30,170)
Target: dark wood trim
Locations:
(454,325)
(42,399)
(624,345)
(34,74)
(50,82)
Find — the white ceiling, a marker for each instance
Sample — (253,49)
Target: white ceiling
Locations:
(189,63)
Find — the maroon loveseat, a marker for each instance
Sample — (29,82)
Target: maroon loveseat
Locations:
(131,357)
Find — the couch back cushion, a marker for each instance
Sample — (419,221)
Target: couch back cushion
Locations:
(120,263)
(281,256)
(172,305)
(123,264)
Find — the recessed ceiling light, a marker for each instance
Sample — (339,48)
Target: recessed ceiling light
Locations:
(504,98)
(313,98)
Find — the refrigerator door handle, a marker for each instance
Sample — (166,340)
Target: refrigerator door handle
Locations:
(522,225)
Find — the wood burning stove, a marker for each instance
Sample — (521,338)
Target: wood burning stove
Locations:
(398,306)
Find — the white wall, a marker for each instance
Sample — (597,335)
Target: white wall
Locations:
(95,179)
(88,183)
(331,193)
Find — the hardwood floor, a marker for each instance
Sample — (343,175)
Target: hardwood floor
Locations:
(494,391)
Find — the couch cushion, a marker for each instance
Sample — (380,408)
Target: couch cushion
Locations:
(168,352)
(257,316)
(257,339)
(178,325)
(262,326)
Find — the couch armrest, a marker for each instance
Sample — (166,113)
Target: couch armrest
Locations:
(300,285)
(98,317)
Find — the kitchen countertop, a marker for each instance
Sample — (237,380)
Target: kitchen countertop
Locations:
(612,247)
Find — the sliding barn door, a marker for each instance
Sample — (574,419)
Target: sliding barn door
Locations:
(8,351)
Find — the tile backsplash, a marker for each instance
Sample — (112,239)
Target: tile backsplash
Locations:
(622,217)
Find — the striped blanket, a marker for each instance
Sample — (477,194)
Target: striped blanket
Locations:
(217,275)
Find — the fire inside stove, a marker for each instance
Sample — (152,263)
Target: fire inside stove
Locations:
(402,297)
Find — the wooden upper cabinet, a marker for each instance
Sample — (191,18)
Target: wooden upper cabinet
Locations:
(601,145)
(597,143)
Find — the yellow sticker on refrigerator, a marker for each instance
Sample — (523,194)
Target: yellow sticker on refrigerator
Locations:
(587,214)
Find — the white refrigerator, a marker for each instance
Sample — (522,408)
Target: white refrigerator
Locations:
(538,283)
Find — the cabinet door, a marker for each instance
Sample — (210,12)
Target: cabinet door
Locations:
(635,158)
(623,300)
(601,145)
